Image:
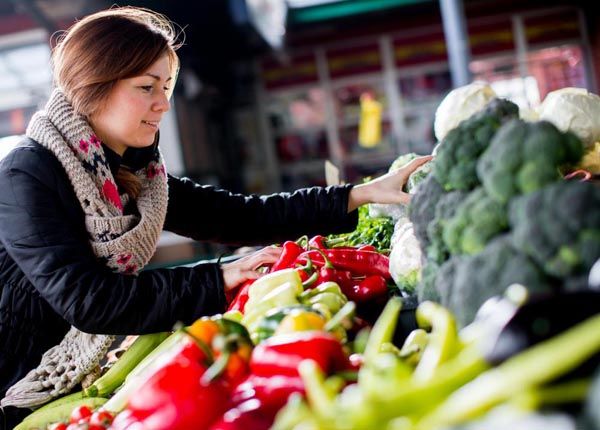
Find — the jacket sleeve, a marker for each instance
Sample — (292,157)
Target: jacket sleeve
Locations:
(60,264)
(207,213)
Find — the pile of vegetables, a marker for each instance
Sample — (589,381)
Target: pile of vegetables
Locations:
(497,211)
(501,364)
(237,370)
(496,245)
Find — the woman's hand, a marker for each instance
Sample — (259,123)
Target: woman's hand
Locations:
(245,268)
(387,188)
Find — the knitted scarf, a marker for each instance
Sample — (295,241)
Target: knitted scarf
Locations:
(124,243)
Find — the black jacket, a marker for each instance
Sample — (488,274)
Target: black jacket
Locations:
(50,279)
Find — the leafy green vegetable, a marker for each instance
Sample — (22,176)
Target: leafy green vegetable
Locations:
(369,231)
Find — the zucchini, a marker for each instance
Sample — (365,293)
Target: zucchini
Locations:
(115,376)
(142,371)
(59,401)
(42,418)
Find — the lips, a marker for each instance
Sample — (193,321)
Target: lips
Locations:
(153,124)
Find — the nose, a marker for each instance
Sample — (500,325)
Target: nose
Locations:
(162,103)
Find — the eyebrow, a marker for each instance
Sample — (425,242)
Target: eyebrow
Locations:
(157,77)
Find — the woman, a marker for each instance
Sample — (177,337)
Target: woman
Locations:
(85,196)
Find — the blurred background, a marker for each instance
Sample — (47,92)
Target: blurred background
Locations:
(270,89)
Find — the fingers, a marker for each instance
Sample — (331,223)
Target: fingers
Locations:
(246,268)
(264,257)
(413,165)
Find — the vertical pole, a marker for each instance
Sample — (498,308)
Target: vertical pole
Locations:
(331,123)
(267,141)
(457,41)
(390,82)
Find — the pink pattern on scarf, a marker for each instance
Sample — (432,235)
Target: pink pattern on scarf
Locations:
(111,193)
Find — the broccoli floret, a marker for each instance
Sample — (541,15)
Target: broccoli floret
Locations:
(476,220)
(444,280)
(421,209)
(523,157)
(477,278)
(559,227)
(444,210)
(426,288)
(456,160)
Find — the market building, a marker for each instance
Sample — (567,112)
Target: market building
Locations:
(267,93)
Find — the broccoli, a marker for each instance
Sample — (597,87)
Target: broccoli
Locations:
(456,160)
(426,288)
(559,227)
(475,221)
(421,209)
(523,157)
(444,210)
(477,278)
(444,280)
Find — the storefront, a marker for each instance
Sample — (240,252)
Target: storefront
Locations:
(309,96)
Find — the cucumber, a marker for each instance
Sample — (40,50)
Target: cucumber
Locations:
(41,419)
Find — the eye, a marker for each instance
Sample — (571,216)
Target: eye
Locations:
(146,88)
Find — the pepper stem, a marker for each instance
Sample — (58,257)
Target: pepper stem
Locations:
(328,264)
(216,369)
(310,281)
(302,241)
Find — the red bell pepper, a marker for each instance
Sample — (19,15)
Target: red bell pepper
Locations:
(291,251)
(247,416)
(272,391)
(358,262)
(174,399)
(281,354)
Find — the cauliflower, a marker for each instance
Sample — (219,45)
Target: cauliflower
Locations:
(576,110)
(460,104)
(405,258)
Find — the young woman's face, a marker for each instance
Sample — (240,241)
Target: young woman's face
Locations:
(131,115)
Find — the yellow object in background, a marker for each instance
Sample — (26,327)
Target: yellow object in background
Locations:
(369,127)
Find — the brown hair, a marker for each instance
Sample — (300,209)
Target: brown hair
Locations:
(107,46)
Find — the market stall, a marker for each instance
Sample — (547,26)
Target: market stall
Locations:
(475,306)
